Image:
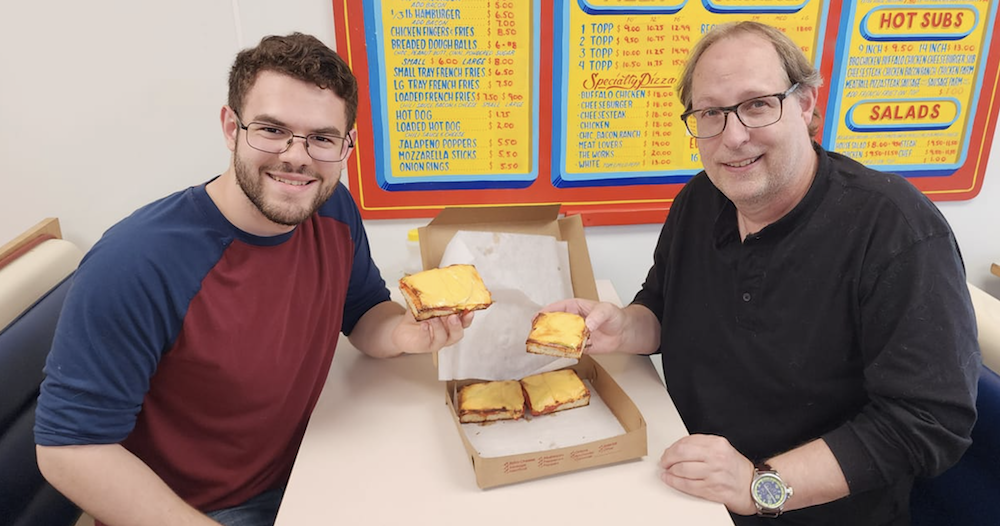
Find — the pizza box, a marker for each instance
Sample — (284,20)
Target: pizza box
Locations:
(628,444)
(530,219)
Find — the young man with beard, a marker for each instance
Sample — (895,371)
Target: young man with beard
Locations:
(199,331)
(811,314)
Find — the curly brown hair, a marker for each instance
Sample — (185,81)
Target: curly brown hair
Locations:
(797,67)
(299,56)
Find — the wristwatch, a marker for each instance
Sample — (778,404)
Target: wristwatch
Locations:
(768,491)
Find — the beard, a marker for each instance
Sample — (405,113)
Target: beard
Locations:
(282,213)
(747,193)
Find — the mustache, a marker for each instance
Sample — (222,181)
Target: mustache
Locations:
(287,168)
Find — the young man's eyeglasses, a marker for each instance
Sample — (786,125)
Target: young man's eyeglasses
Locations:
(757,112)
(270,138)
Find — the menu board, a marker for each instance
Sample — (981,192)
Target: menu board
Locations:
(512,102)
(907,84)
(455,90)
(620,115)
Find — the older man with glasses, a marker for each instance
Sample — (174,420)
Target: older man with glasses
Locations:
(811,314)
(199,331)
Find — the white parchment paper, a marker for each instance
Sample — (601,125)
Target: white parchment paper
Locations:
(542,433)
(523,273)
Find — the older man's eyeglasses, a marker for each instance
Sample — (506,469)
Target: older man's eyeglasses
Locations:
(757,112)
(270,138)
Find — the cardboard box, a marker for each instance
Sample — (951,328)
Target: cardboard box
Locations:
(540,220)
(497,471)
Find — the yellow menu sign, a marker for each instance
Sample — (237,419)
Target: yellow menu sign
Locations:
(909,79)
(458,100)
(513,102)
(620,67)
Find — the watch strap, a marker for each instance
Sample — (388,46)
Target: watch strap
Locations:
(759,468)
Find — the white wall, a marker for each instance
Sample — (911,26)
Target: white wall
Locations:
(106,105)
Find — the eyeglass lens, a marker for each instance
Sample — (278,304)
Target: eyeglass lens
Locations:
(754,113)
(272,139)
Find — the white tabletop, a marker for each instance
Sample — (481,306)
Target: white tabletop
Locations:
(382,449)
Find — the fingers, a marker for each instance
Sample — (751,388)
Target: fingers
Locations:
(574,305)
(688,477)
(431,335)
(691,477)
(443,331)
(596,313)
(708,467)
(694,486)
(696,448)
(599,315)
(434,334)
(605,323)
(560,306)
(454,328)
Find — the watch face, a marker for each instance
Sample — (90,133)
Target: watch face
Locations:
(769,492)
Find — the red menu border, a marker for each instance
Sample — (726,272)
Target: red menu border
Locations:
(605,205)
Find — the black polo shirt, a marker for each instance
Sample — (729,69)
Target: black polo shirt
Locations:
(848,319)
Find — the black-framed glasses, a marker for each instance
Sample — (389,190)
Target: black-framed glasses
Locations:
(270,138)
(757,112)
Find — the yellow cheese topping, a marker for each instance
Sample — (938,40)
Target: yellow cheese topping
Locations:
(554,388)
(561,328)
(491,395)
(454,285)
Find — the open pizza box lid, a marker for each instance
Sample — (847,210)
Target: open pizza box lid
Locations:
(532,219)
(528,257)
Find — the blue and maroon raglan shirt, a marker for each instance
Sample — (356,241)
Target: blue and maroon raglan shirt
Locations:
(203,349)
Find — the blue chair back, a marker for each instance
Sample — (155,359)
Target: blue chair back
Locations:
(968,494)
(26,499)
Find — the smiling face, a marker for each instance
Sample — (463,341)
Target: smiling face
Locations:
(759,169)
(281,190)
